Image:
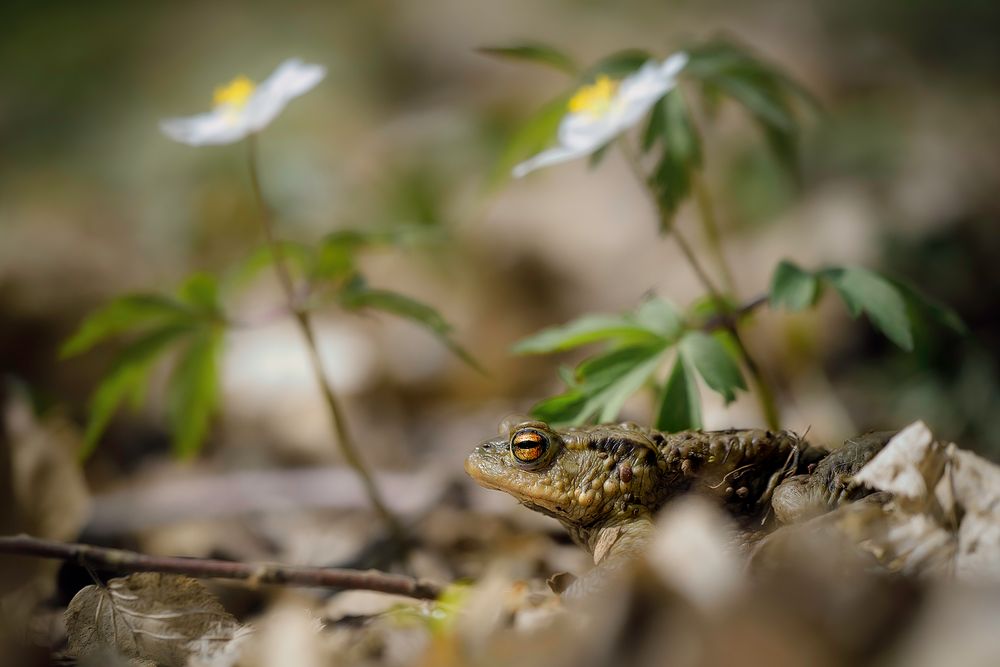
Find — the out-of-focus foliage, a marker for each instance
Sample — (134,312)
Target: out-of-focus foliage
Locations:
(193,320)
(636,346)
(892,306)
(192,324)
(599,387)
(638,343)
(535,52)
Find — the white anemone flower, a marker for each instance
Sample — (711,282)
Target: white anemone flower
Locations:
(242,107)
(603,110)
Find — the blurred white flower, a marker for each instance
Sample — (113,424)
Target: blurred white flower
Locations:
(242,107)
(603,110)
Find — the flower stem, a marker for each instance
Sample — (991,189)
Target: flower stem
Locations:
(765,395)
(706,212)
(348,449)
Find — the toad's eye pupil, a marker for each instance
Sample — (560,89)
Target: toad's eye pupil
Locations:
(528,446)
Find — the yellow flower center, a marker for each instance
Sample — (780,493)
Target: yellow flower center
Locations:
(235,93)
(594,99)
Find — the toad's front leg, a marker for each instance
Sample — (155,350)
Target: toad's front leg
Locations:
(615,548)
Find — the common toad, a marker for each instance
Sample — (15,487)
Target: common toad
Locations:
(605,483)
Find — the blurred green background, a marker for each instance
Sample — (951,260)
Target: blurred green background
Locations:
(900,174)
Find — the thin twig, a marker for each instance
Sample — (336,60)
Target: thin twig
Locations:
(257,573)
(344,439)
(765,395)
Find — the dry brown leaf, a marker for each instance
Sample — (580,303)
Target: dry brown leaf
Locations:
(49,491)
(909,466)
(975,484)
(169,619)
(974,481)
(287,635)
(42,492)
(945,518)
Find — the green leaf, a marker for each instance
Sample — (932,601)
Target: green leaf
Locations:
(617,65)
(653,131)
(567,375)
(360,296)
(201,292)
(601,370)
(127,375)
(680,405)
(533,52)
(533,136)
(785,147)
(583,331)
(717,56)
(709,306)
(192,395)
(713,362)
(762,89)
(934,309)
(865,291)
(793,288)
(613,397)
(334,260)
(671,126)
(680,132)
(398,235)
(335,257)
(122,314)
(597,156)
(671,184)
(605,382)
(759,95)
(771,110)
(609,379)
(660,317)
(562,409)
(298,257)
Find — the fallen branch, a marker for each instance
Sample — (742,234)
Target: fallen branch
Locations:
(256,573)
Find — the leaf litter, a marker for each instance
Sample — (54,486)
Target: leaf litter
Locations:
(871,582)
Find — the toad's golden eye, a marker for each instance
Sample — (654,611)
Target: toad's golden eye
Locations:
(529,445)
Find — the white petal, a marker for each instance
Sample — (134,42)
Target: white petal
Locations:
(673,65)
(221,126)
(291,79)
(585,132)
(639,92)
(549,157)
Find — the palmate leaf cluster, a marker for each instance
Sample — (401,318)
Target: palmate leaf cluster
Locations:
(187,329)
(637,345)
(893,307)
